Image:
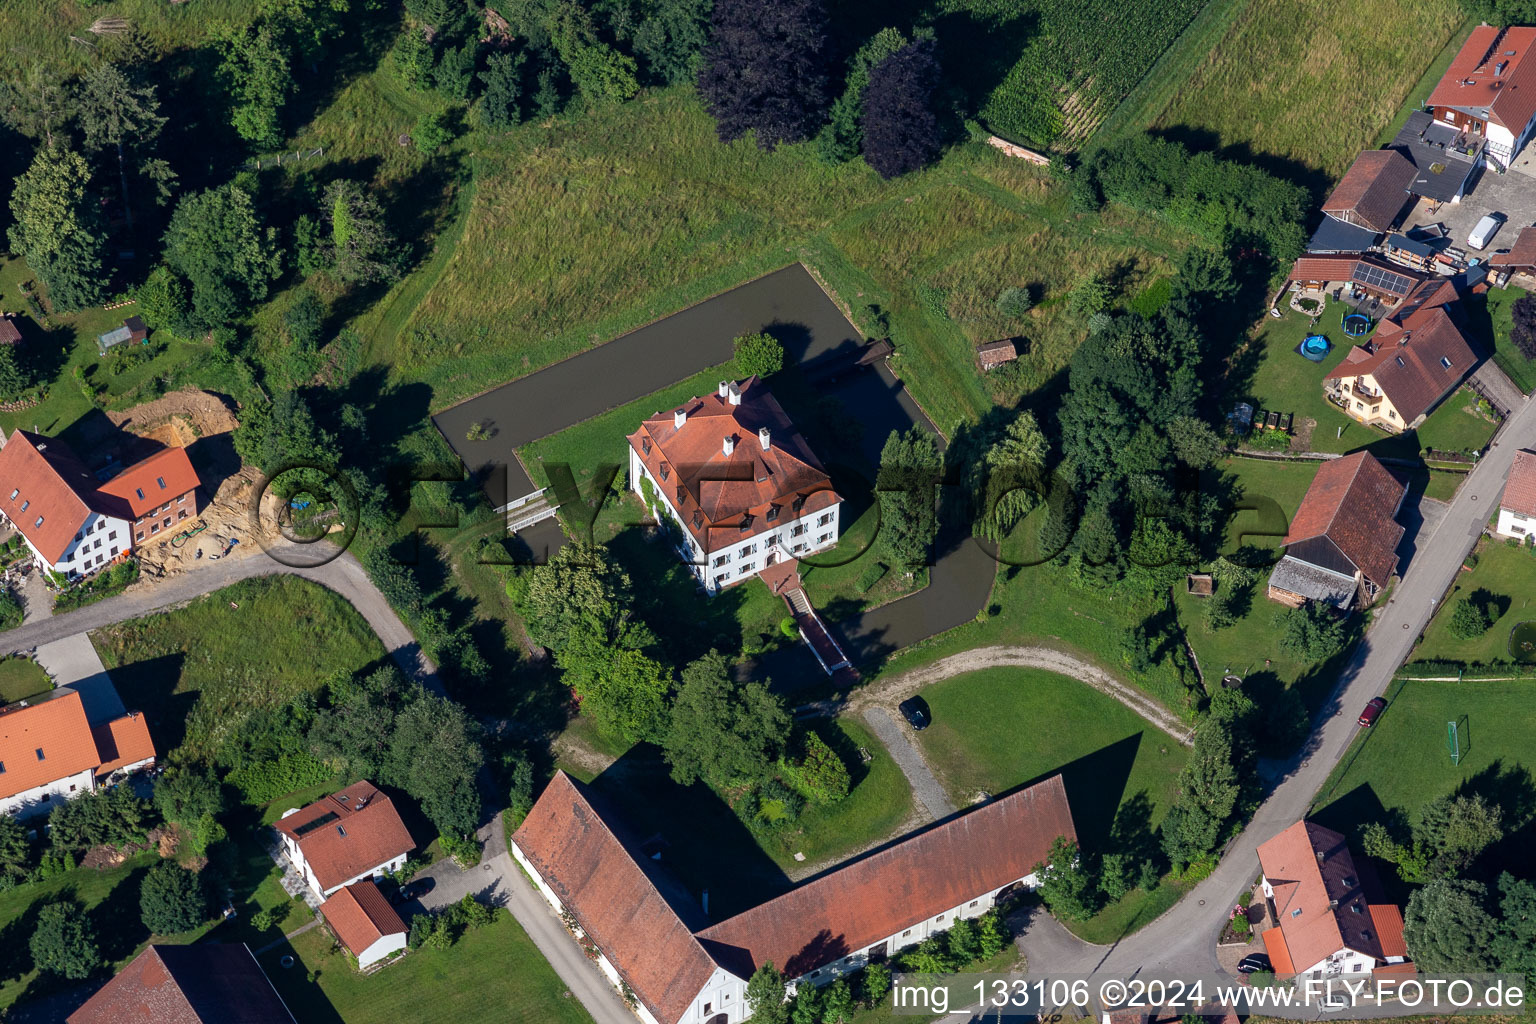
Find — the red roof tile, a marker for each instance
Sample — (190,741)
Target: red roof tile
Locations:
(146,485)
(40,479)
(365,832)
(696,475)
(206,983)
(598,879)
(123,741)
(1373,190)
(44,742)
(1471,84)
(1421,354)
(1388,920)
(1521,254)
(1520,491)
(902,885)
(1350,504)
(1318,899)
(360,916)
(10,334)
(1279,955)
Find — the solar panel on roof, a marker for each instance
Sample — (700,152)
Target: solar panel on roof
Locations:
(309,826)
(1376,277)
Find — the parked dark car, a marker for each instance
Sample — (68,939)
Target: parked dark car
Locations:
(1372,711)
(415,890)
(1254,962)
(915,711)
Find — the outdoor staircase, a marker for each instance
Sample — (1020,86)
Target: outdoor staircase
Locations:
(798,603)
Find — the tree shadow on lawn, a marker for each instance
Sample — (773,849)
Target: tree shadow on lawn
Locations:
(305,999)
(149,686)
(1513,788)
(703,845)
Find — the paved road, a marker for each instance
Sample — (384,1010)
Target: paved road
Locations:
(1183,939)
(497,877)
(907,757)
(344,574)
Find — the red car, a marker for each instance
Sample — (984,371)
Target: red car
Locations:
(1372,710)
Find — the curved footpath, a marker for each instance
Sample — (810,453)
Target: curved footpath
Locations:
(343,574)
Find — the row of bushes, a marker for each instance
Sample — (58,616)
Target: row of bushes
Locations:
(99,587)
(1473,670)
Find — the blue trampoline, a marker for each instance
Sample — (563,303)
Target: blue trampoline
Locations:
(1315,348)
(1357,324)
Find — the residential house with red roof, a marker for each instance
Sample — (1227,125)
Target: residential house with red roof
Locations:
(50,752)
(1327,924)
(363,921)
(1489,91)
(1521,257)
(653,940)
(74,524)
(205,983)
(1342,546)
(1373,191)
(1517,508)
(740,483)
(10,334)
(345,838)
(1416,357)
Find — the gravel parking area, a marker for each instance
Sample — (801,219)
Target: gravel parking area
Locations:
(1512,194)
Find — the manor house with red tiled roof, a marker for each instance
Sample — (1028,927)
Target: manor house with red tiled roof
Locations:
(1489,91)
(654,940)
(742,486)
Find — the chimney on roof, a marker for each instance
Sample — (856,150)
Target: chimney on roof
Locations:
(734,395)
(765,438)
(729,444)
(679,417)
(1321,856)
(725,387)
(1498,69)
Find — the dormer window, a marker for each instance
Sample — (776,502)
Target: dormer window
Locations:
(682,494)
(698,519)
(666,471)
(645,445)
(746,522)
(773,513)
(798,504)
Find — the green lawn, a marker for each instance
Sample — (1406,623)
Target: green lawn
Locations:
(1000,728)
(21,678)
(492,972)
(709,848)
(198,670)
(1403,761)
(1270,373)
(1495,319)
(1506,575)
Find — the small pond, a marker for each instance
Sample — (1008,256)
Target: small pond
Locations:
(1522,642)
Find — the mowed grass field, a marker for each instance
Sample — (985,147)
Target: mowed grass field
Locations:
(492,973)
(196,671)
(1403,761)
(996,729)
(581,230)
(1507,576)
(1310,81)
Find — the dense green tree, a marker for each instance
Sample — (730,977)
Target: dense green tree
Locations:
(312,25)
(433,131)
(353,732)
(877,982)
(434,755)
(901,130)
(285,435)
(172,899)
(908,494)
(15,381)
(1312,633)
(1014,302)
(765,996)
(217,241)
(114,109)
(805,1008)
(1220,609)
(964,943)
(58,230)
(501,84)
(520,792)
(360,248)
(455,71)
(303,321)
(187,793)
(110,817)
(1454,830)
(841,138)
(1515,947)
(764,69)
(163,301)
(1014,467)
(758,355)
(624,691)
(63,941)
(670,37)
(599,72)
(1448,928)
(15,850)
(413,58)
(819,771)
(38,104)
(1195,442)
(1470,618)
(722,731)
(837,1005)
(255,70)
(581,589)
(1066,885)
